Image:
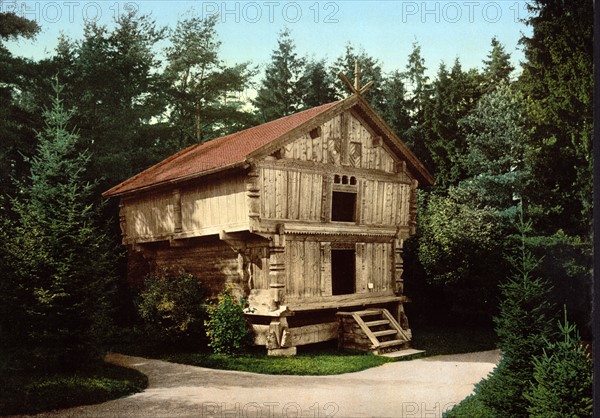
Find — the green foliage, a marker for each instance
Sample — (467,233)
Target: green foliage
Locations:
(454,94)
(34,393)
(418,86)
(18,115)
(562,378)
(280,92)
(13,26)
(203,93)
(395,111)
(318,85)
(173,308)
(557,79)
(370,70)
(62,265)
(523,325)
(461,250)
(470,407)
(226,326)
(497,67)
(567,263)
(113,79)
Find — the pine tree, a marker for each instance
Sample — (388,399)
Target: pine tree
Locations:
(558,81)
(63,264)
(318,86)
(454,93)
(497,68)
(280,92)
(203,91)
(496,160)
(523,325)
(395,111)
(113,77)
(418,99)
(562,378)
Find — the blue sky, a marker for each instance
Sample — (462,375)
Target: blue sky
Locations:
(248,30)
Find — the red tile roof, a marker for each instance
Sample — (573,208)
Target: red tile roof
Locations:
(219,153)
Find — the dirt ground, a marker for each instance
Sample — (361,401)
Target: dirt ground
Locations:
(417,388)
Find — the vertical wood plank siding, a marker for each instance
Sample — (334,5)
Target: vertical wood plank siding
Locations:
(343,141)
(150,218)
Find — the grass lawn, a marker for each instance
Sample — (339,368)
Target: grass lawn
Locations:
(322,359)
(325,359)
(27,394)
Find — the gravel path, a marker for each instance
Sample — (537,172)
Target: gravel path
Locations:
(416,388)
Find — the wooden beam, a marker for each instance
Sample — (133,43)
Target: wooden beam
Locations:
(235,243)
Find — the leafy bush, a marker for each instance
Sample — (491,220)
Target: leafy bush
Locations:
(562,376)
(461,250)
(173,307)
(470,407)
(227,328)
(26,393)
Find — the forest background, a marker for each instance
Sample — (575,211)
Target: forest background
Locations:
(496,138)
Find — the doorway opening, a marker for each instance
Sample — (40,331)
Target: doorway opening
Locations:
(343,272)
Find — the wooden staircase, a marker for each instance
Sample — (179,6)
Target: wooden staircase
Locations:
(374,330)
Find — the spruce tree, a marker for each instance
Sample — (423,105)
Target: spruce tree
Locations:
(497,68)
(523,325)
(318,85)
(562,378)
(280,92)
(62,263)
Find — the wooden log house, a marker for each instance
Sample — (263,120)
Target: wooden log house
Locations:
(305,216)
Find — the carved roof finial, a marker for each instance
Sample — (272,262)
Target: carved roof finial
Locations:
(356,88)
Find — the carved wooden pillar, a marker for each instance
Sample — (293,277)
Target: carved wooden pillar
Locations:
(123,221)
(177,219)
(277,267)
(398,266)
(326,199)
(253,194)
(412,223)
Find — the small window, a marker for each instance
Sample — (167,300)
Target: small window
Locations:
(343,206)
(315,133)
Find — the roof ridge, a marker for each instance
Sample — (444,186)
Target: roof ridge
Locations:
(210,147)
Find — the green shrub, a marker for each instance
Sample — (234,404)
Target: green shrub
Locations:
(173,307)
(470,407)
(227,328)
(523,325)
(562,376)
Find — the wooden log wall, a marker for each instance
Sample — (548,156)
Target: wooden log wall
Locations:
(289,194)
(212,261)
(308,267)
(384,203)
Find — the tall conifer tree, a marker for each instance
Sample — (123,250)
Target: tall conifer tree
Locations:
(280,93)
(62,264)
